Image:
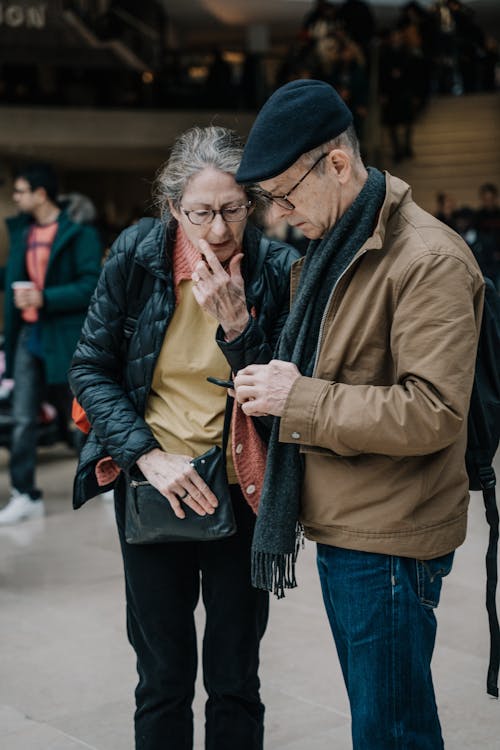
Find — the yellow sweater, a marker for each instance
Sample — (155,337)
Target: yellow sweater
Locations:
(184,411)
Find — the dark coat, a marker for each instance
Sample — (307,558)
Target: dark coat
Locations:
(72,273)
(111,377)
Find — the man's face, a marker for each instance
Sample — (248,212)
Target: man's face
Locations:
(316,199)
(24,197)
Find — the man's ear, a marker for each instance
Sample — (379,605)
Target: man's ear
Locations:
(341,163)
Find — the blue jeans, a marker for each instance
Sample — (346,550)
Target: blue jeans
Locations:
(381,612)
(30,388)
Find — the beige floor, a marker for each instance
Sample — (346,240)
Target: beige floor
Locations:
(67,673)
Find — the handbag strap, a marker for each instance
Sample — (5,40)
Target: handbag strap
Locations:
(227,424)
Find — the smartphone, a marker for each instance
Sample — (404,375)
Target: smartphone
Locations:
(222,383)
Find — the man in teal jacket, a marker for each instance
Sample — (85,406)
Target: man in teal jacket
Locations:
(51,272)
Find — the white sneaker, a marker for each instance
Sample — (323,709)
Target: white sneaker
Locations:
(21,508)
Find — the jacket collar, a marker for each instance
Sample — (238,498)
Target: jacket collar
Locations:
(397,193)
(154,251)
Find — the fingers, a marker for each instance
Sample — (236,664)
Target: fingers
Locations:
(175,505)
(26,297)
(246,380)
(194,492)
(265,389)
(196,501)
(199,494)
(251,409)
(176,478)
(235,268)
(213,264)
(21,298)
(253,388)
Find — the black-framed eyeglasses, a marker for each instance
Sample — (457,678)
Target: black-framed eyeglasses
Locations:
(230,213)
(282,200)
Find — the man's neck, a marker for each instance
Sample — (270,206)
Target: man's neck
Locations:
(46,213)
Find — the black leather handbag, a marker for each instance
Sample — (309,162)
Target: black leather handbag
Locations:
(149,517)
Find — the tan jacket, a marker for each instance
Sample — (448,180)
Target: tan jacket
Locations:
(383,422)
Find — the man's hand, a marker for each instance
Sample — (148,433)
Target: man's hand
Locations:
(173,476)
(221,293)
(28,298)
(264,389)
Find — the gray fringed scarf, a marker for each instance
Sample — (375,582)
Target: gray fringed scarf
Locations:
(278,532)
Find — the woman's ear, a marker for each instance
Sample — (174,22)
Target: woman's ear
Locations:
(173,210)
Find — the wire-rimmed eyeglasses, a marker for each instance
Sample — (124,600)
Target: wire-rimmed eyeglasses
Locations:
(230,213)
(282,200)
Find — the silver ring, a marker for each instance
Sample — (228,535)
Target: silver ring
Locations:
(181,497)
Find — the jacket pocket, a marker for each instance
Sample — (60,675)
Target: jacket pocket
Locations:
(430,574)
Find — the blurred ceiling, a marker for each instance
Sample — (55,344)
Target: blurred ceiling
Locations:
(224,21)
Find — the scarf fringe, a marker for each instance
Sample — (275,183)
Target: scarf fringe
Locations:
(275,572)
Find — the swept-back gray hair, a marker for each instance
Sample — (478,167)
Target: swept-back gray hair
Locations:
(192,152)
(347,140)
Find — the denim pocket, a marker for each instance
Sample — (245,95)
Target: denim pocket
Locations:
(430,574)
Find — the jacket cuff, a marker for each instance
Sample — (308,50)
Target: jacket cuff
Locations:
(128,459)
(245,348)
(298,419)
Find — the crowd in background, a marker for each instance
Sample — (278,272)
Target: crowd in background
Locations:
(437,49)
(479,227)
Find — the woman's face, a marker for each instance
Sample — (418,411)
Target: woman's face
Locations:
(213,189)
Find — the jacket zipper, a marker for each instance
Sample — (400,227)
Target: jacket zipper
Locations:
(325,312)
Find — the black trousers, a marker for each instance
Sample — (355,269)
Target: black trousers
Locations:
(163,583)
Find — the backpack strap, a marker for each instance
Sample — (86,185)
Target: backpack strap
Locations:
(491,509)
(139,283)
(264,245)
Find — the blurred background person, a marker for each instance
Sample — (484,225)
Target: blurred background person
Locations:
(445,208)
(396,94)
(52,269)
(488,226)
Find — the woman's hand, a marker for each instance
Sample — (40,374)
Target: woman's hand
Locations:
(221,293)
(174,477)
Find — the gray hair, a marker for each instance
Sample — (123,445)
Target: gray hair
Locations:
(346,140)
(192,152)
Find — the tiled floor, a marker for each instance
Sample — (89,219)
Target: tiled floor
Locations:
(67,673)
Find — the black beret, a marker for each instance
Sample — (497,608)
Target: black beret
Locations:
(298,117)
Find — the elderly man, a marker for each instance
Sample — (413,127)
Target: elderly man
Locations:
(370,391)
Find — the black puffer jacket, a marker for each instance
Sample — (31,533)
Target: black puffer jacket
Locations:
(111,378)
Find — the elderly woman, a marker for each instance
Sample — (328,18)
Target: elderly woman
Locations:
(218,300)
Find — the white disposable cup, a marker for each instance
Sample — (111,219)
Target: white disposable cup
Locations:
(23,285)
(30,314)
